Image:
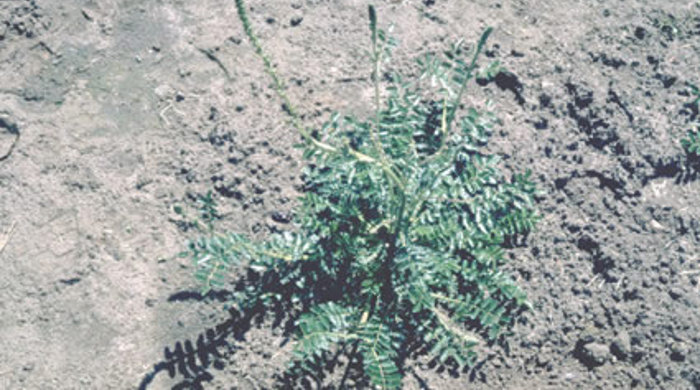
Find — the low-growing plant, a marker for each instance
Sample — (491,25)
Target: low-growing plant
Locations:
(691,143)
(206,213)
(695,92)
(398,244)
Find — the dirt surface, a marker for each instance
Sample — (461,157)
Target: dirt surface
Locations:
(116,112)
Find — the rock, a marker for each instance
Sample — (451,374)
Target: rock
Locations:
(295,21)
(282,217)
(656,226)
(593,354)
(678,351)
(621,347)
(587,335)
(675,293)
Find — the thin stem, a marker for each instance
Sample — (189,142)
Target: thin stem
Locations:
(280,90)
(468,76)
(377,99)
(447,124)
(386,270)
(374,132)
(375,78)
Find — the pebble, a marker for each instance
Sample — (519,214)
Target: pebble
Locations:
(621,345)
(596,354)
(678,351)
(675,293)
(295,21)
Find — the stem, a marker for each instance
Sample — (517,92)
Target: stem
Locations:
(376,63)
(280,90)
(279,85)
(374,132)
(386,270)
(448,118)
(468,76)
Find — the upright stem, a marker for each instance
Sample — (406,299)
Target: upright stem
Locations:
(387,291)
(468,76)
(375,78)
(374,132)
(280,90)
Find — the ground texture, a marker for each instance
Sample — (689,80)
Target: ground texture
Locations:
(116,112)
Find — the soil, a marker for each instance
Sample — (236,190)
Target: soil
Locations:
(113,114)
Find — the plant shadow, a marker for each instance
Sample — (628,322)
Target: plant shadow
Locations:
(196,361)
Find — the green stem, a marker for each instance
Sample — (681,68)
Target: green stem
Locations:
(468,76)
(386,270)
(376,64)
(374,132)
(280,90)
(448,119)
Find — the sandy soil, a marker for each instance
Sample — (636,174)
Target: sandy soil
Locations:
(114,112)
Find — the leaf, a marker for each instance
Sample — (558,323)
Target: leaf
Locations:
(378,347)
(323,327)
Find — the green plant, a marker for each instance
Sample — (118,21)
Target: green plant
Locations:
(691,143)
(398,245)
(206,214)
(695,91)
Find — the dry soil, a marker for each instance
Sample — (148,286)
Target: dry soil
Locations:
(115,112)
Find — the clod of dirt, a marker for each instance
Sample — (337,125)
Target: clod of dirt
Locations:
(678,351)
(588,244)
(281,217)
(25,19)
(506,81)
(621,346)
(295,21)
(593,355)
(640,33)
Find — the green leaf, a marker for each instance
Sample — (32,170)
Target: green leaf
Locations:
(323,327)
(379,349)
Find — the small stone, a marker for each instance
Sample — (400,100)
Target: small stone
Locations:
(621,346)
(657,226)
(678,351)
(675,293)
(640,33)
(164,91)
(295,21)
(587,335)
(87,14)
(281,217)
(594,354)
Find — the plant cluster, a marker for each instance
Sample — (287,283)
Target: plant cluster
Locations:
(399,235)
(204,218)
(691,143)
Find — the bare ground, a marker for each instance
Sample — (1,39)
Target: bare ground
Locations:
(114,112)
